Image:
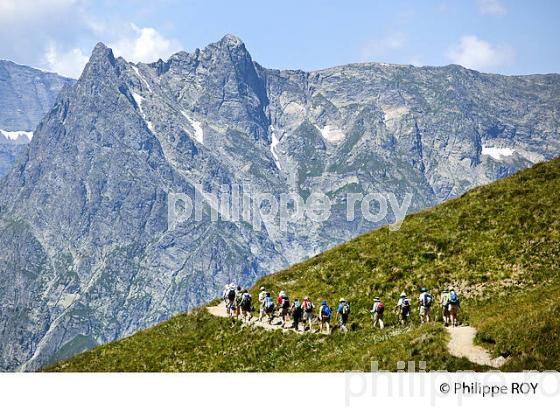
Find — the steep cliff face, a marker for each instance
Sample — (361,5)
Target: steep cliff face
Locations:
(88,255)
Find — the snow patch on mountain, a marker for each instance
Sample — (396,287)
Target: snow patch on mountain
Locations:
(197,126)
(497,153)
(141,77)
(139,100)
(274,142)
(22,137)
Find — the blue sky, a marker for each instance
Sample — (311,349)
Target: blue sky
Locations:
(503,36)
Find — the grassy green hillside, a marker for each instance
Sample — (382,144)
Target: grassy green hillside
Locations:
(498,244)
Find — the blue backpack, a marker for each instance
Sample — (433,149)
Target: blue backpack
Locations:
(453,298)
(268,304)
(325,311)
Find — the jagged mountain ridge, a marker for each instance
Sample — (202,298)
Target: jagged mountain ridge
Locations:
(88,257)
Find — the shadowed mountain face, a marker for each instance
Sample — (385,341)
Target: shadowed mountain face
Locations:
(26,95)
(88,255)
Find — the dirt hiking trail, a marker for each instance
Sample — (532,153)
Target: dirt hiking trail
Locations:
(461,344)
(220,311)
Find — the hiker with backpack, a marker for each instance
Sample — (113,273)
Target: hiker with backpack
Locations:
(325,317)
(230,301)
(268,306)
(262,296)
(225,297)
(377,312)
(238,299)
(453,306)
(403,308)
(444,302)
(246,308)
(283,307)
(297,313)
(307,314)
(281,294)
(342,314)
(425,301)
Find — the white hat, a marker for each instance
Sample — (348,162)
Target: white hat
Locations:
(342,300)
(403,295)
(262,288)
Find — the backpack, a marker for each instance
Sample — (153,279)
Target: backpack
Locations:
(246,301)
(325,311)
(308,307)
(231,295)
(405,306)
(345,309)
(268,304)
(453,298)
(427,300)
(380,308)
(285,302)
(297,310)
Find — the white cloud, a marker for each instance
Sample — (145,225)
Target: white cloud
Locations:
(472,52)
(144,44)
(18,11)
(69,63)
(491,7)
(132,43)
(43,34)
(58,35)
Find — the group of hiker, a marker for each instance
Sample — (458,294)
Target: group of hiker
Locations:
(239,303)
(449,303)
(302,311)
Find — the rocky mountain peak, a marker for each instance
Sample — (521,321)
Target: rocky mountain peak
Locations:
(102,58)
(231,41)
(102,52)
(230,47)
